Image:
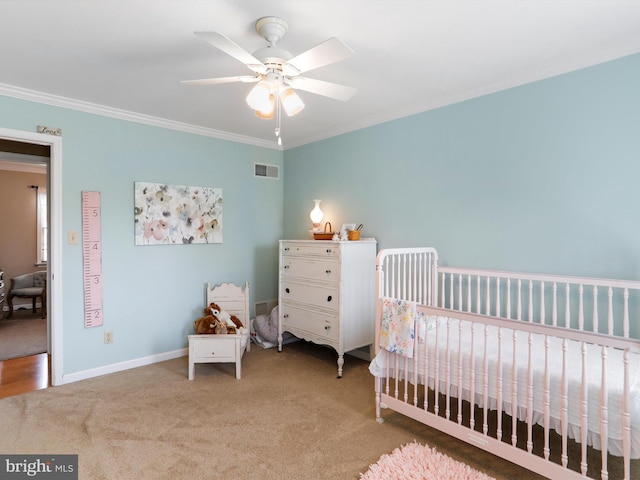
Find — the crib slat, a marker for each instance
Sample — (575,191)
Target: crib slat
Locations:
(542,309)
(610,311)
(514,390)
(584,410)
(436,369)
(519,299)
(567,308)
(447,372)
(472,380)
(498,297)
(554,313)
(530,396)
(468,293)
(626,418)
(581,307)
(406,379)
(595,310)
(488,297)
(625,319)
(459,373)
(416,356)
(530,301)
(564,405)
(478,284)
(485,382)
(451,305)
(499,387)
(427,352)
(508,298)
(604,415)
(546,395)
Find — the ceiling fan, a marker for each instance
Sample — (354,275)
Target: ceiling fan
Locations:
(277,73)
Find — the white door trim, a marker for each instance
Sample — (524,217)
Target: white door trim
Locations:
(54,294)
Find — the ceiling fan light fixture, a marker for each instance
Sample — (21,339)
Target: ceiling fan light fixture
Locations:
(291,102)
(259,96)
(267,109)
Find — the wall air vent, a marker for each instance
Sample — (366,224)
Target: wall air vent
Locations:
(266,171)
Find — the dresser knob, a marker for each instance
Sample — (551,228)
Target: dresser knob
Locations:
(286,315)
(327,271)
(286,249)
(328,250)
(286,267)
(329,298)
(287,290)
(327,327)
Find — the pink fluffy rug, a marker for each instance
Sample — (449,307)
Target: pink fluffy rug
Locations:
(420,462)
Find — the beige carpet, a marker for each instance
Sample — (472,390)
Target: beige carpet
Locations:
(288,418)
(25,333)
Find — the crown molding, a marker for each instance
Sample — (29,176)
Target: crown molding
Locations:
(93,108)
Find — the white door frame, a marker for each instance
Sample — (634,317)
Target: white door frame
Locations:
(54,262)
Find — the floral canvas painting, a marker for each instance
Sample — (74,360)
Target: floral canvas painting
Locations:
(176,214)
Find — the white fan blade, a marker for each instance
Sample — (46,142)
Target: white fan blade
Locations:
(320,87)
(329,51)
(231,48)
(215,81)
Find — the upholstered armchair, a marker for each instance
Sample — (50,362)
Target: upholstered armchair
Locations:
(30,285)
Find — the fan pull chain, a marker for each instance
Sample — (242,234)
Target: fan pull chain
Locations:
(277,130)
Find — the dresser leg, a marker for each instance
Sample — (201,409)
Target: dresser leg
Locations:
(191,370)
(340,364)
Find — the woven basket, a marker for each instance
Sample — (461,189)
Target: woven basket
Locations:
(326,235)
(354,234)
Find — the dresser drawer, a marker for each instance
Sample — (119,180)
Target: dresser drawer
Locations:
(321,249)
(213,347)
(316,323)
(313,295)
(324,270)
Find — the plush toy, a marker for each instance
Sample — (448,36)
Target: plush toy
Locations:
(209,324)
(205,325)
(232,323)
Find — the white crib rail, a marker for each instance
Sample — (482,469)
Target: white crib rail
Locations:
(571,302)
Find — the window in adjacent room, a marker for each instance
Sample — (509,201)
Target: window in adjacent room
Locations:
(42,227)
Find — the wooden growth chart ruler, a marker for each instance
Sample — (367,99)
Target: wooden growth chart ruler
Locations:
(92,259)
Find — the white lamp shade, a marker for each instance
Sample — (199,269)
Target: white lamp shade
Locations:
(316,214)
(291,102)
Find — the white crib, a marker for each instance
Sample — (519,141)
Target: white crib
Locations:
(542,370)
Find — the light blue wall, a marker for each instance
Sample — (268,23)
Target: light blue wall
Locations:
(539,178)
(542,177)
(152,294)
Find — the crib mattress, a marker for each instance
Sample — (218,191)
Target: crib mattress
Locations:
(457,335)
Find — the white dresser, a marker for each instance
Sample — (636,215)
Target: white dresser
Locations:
(327,293)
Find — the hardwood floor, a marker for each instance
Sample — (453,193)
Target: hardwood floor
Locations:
(25,374)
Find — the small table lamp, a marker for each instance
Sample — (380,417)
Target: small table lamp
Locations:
(316,216)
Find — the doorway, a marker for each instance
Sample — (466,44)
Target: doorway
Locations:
(35,144)
(23,247)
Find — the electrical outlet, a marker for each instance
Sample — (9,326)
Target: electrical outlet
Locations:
(108,337)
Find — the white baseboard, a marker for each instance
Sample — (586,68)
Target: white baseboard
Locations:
(119,367)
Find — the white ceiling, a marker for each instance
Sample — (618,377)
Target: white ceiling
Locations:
(411,56)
